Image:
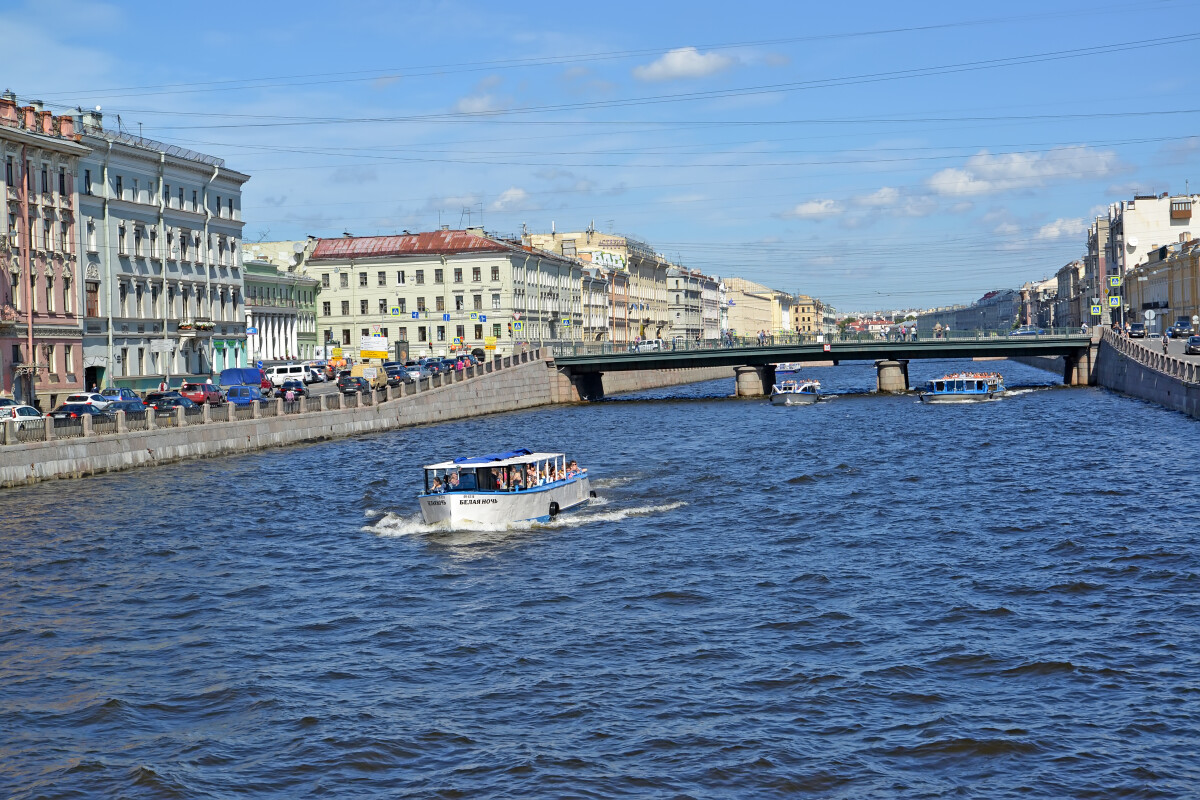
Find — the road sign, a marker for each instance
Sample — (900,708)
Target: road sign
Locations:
(516,326)
(375,329)
(258,364)
(1114,301)
(827,348)
(482,318)
(336,352)
(1097,311)
(251,331)
(489,343)
(1149,314)
(395,311)
(373,347)
(566,323)
(474,315)
(457,340)
(1195,320)
(416,315)
(1114,280)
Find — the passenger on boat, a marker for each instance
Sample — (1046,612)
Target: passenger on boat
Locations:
(517,480)
(572,468)
(501,484)
(437,486)
(452,482)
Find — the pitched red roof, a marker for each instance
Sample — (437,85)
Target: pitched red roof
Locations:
(431,242)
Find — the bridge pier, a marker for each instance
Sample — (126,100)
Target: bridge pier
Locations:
(891,376)
(1079,369)
(754,381)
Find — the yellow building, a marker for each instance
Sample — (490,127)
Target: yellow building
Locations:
(1168,283)
(754,307)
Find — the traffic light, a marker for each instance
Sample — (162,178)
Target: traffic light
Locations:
(510,330)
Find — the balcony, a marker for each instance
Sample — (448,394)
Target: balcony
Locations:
(196,328)
(1181,209)
(8,318)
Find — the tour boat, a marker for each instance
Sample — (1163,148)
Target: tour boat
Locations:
(499,488)
(795,393)
(963,387)
(789,370)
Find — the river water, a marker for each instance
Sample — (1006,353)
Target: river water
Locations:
(864,598)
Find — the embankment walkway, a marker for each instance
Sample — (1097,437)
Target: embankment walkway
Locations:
(76,448)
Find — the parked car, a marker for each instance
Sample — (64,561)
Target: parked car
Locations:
(396,375)
(244,395)
(8,401)
(22,415)
(154,397)
(296,386)
(89,398)
(1137,330)
(169,403)
(76,410)
(352,385)
(115,394)
(201,393)
(288,372)
(316,375)
(1192,346)
(129,407)
(418,372)
(1181,328)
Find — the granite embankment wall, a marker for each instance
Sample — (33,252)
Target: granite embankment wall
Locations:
(500,387)
(1132,368)
(1053,364)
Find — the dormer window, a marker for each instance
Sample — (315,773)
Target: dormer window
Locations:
(1181,208)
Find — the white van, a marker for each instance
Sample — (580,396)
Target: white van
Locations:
(288,372)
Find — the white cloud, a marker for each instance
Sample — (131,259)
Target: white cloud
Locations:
(901,205)
(814,209)
(477,104)
(882,197)
(683,62)
(1061,229)
(510,198)
(985,173)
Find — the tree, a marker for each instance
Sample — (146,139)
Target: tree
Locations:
(845,323)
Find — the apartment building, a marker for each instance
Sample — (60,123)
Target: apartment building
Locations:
(440,291)
(160,233)
(41,352)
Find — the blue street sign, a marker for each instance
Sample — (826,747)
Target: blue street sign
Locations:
(483,318)
(395,311)
(445,317)
(251,330)
(416,314)
(474,315)
(258,364)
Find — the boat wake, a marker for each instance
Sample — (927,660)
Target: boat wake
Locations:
(391,524)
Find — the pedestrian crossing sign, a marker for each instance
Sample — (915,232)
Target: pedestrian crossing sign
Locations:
(1097,311)
(1114,301)
(474,315)
(395,311)
(1114,281)
(566,323)
(516,326)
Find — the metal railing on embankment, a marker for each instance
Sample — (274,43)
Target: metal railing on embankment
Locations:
(1144,354)
(49,429)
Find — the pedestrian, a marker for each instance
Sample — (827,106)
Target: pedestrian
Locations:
(162,385)
(290,395)
(95,388)
(903,333)
(1084,327)
(209,381)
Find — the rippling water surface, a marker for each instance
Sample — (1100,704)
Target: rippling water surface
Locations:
(864,598)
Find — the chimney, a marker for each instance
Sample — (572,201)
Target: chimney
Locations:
(8,108)
(47,122)
(38,106)
(29,118)
(10,96)
(66,125)
(93,119)
(445,227)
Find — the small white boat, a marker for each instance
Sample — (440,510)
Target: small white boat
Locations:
(499,488)
(795,393)
(963,387)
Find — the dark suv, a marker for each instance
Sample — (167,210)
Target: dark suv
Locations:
(1137,330)
(1181,328)
(351,385)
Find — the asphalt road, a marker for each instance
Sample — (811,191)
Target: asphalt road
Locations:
(1174,347)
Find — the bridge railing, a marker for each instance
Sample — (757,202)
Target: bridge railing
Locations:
(577,348)
(1144,354)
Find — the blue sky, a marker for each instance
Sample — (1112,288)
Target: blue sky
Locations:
(877,155)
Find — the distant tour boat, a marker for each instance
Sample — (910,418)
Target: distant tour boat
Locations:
(795,393)
(963,387)
(517,486)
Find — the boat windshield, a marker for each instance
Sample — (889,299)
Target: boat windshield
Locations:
(508,477)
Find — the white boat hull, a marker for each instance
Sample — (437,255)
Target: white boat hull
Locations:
(927,397)
(794,398)
(540,504)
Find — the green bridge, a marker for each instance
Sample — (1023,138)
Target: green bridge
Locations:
(754,366)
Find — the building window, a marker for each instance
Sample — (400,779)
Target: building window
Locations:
(68,359)
(457,275)
(231,208)
(441,333)
(439,303)
(362,279)
(475,274)
(381,278)
(458,302)
(460,332)
(421,335)
(438,275)
(362,306)
(121,240)
(345,336)
(478,332)
(420,304)
(181,198)
(496,329)
(495,273)
(420,278)
(365,332)
(495,301)
(195,201)
(137,193)
(62,180)
(400,302)
(400,277)
(402,334)
(8,172)
(50,294)
(325,308)
(345,308)
(382,305)
(477,302)
(45,180)
(118,188)
(66,295)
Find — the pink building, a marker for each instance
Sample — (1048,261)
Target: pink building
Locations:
(41,338)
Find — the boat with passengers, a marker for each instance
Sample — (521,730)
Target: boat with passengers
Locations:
(795,393)
(497,488)
(963,387)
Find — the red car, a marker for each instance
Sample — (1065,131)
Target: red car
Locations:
(201,393)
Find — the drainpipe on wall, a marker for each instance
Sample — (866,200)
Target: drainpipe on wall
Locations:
(207,265)
(163,252)
(107,274)
(27,274)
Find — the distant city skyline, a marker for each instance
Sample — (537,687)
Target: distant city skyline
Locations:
(875,157)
